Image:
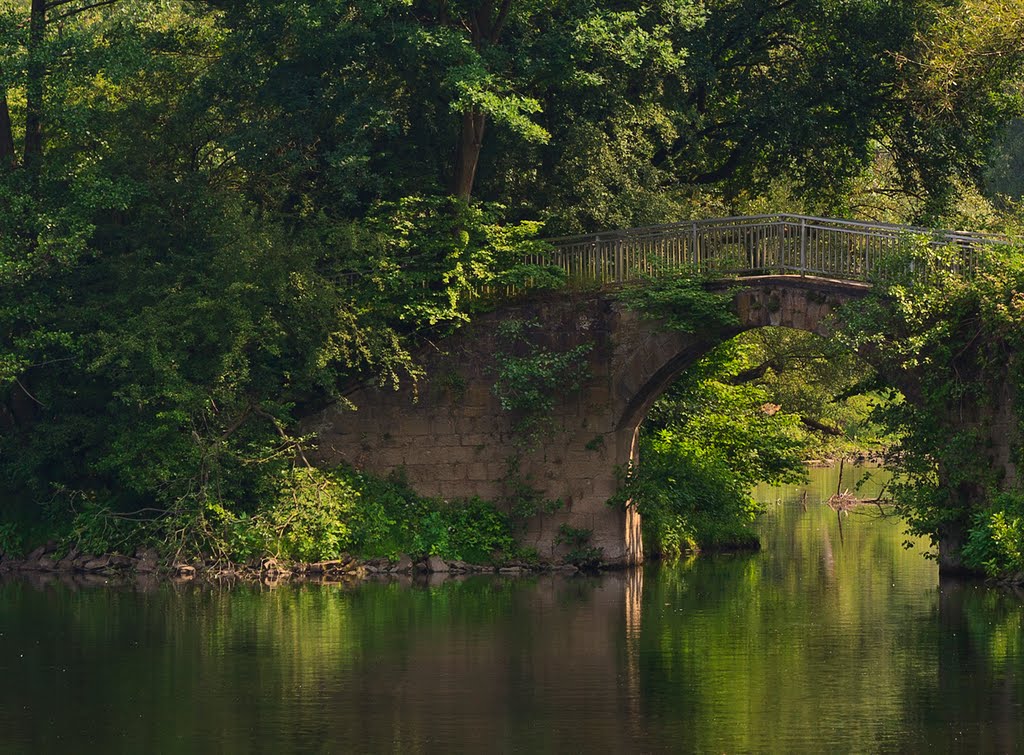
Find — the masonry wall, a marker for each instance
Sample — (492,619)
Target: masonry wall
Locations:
(452,439)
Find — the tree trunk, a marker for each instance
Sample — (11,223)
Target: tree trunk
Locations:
(34,86)
(470,141)
(484,23)
(7,156)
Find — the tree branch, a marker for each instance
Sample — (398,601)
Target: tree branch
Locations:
(820,426)
(83,9)
(25,390)
(288,441)
(753,373)
(728,166)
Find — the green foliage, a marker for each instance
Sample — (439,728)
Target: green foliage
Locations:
(387,519)
(426,257)
(531,277)
(680,301)
(952,343)
(995,541)
(1004,179)
(688,496)
(161,327)
(95,529)
(819,385)
(531,376)
(731,420)
(709,407)
(472,530)
(580,552)
(951,104)
(525,500)
(309,519)
(10,539)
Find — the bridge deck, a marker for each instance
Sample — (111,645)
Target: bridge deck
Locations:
(778,244)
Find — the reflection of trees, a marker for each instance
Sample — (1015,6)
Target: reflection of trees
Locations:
(382,667)
(748,652)
(978,692)
(761,653)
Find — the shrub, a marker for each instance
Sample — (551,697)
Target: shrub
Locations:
(995,540)
(689,498)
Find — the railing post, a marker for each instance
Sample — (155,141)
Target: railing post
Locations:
(693,244)
(782,246)
(803,246)
(619,266)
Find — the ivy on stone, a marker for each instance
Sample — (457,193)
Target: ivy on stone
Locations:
(531,375)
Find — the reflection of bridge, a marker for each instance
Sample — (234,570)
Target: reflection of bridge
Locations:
(450,436)
(762,244)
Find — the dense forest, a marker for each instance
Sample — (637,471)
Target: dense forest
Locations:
(214,215)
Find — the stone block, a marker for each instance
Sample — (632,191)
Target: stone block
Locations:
(445,425)
(478,393)
(463,455)
(497,470)
(389,458)
(598,395)
(412,425)
(469,413)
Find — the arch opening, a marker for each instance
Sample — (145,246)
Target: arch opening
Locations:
(781,323)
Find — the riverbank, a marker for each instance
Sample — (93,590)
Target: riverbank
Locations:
(147,564)
(872,458)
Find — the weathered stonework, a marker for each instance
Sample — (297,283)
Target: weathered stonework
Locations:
(994,423)
(452,438)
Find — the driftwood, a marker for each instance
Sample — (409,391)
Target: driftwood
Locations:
(844,502)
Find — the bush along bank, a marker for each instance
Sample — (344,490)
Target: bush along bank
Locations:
(338,524)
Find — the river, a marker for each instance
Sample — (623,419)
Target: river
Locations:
(815,644)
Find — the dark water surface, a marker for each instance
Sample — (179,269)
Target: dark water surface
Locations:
(816,644)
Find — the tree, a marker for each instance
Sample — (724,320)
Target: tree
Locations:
(958,85)
(357,103)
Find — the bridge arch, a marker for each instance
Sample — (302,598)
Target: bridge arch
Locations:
(452,439)
(801,303)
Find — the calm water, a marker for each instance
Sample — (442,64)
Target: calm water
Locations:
(815,644)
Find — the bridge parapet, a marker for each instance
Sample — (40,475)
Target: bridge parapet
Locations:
(780,244)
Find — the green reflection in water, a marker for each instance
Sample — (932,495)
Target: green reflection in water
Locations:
(815,644)
(816,639)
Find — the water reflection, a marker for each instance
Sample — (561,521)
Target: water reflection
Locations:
(811,645)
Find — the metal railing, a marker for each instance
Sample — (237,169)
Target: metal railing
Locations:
(764,244)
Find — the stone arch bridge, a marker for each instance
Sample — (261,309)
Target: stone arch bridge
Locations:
(451,437)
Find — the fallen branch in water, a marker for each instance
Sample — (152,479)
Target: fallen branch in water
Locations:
(845,502)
